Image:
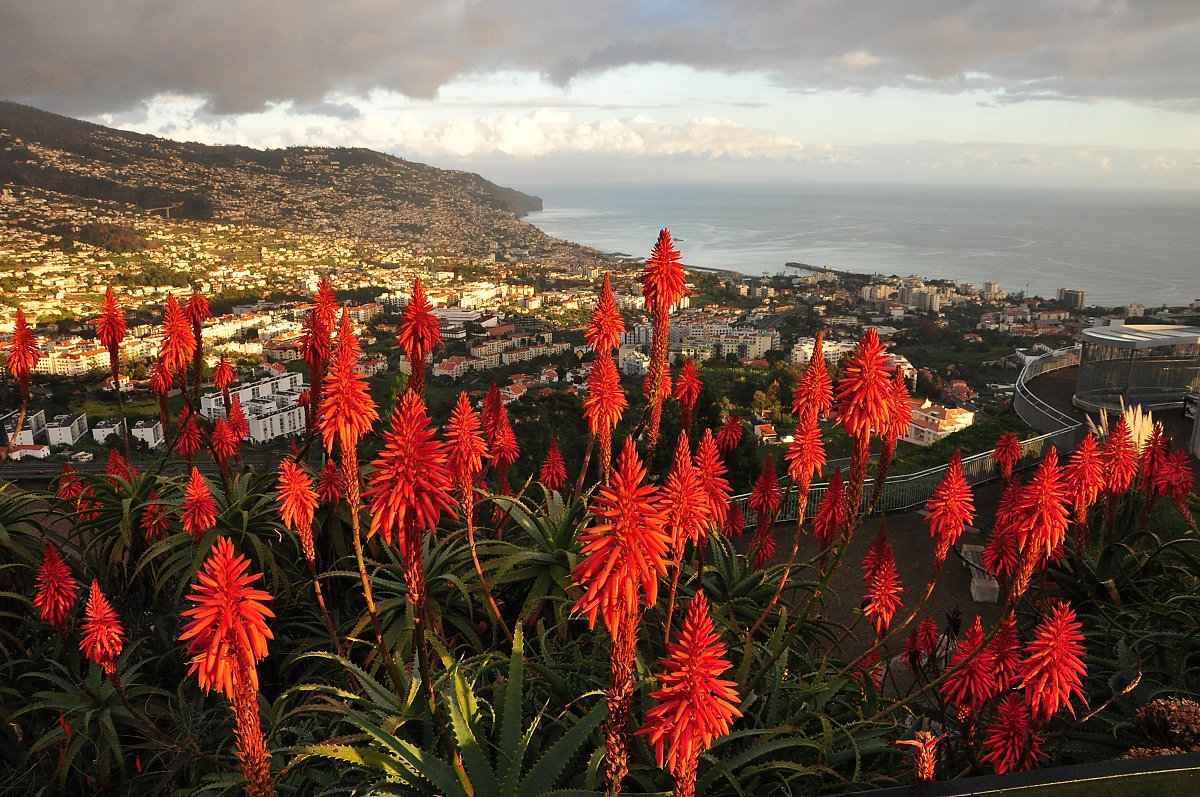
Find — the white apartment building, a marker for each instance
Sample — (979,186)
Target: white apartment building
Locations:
(31,430)
(149,432)
(832,351)
(66,430)
(106,428)
(212,405)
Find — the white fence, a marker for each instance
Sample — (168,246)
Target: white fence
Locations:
(913,489)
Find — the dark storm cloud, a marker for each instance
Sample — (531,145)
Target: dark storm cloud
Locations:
(92,56)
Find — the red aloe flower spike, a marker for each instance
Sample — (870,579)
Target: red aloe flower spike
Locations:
(730,433)
(766,495)
(663,285)
(418,335)
(735,520)
(554,472)
(224,442)
(687,392)
(199,508)
(492,402)
(1085,475)
(684,501)
(863,393)
(103,636)
(504,448)
(297,503)
(1000,556)
(806,454)
(330,485)
(187,438)
(1053,669)
(110,329)
(1005,649)
(467,446)
(1043,510)
(317,336)
(603,406)
(974,684)
(928,636)
(56,589)
(197,310)
(694,706)
(1174,481)
(179,340)
(832,513)
(814,391)
(1011,741)
(155,521)
(237,418)
(924,747)
(604,331)
(70,487)
(883,583)
(625,552)
(1006,454)
(347,410)
(23,354)
(409,488)
(1120,458)
(118,467)
(951,508)
(712,470)
(223,373)
(898,420)
(227,636)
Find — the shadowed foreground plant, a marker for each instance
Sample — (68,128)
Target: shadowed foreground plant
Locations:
(227,636)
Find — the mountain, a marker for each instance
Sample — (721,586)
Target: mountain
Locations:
(346,192)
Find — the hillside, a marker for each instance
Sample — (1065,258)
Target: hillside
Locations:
(349,193)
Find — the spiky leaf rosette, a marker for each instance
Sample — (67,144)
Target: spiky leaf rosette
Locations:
(863,392)
(199,508)
(712,472)
(179,340)
(663,280)
(883,584)
(683,500)
(730,433)
(1043,510)
(56,589)
(832,513)
(1011,741)
(409,488)
(951,508)
(23,353)
(229,620)
(347,410)
(625,552)
(1053,669)
(554,472)
(974,684)
(694,706)
(806,453)
(604,331)
(814,391)
(1120,458)
(466,444)
(1006,453)
(103,635)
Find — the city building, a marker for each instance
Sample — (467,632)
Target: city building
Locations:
(932,422)
(1071,299)
(66,430)
(1154,365)
(106,428)
(149,432)
(32,429)
(212,405)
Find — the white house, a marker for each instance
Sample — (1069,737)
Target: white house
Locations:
(66,430)
(149,432)
(106,428)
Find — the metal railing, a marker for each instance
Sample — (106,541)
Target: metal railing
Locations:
(910,490)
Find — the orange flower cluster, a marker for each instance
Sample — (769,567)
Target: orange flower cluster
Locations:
(951,508)
(347,410)
(694,705)
(604,331)
(179,339)
(730,433)
(924,745)
(56,589)
(687,392)
(199,508)
(973,684)
(663,285)
(864,391)
(883,583)
(297,502)
(712,471)
(467,446)
(832,512)
(553,474)
(684,501)
(23,354)
(625,553)
(419,333)
(814,392)
(155,520)
(1006,454)
(187,435)
(111,328)
(1053,669)
(103,635)
(1011,741)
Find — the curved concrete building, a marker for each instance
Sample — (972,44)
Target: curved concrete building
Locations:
(1154,365)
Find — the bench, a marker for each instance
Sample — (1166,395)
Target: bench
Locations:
(984,588)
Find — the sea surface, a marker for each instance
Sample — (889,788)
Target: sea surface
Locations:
(1119,246)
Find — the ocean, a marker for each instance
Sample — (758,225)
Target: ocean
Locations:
(1119,246)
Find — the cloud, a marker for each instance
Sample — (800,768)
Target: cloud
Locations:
(535,134)
(89,57)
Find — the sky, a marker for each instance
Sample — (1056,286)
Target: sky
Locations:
(1097,93)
